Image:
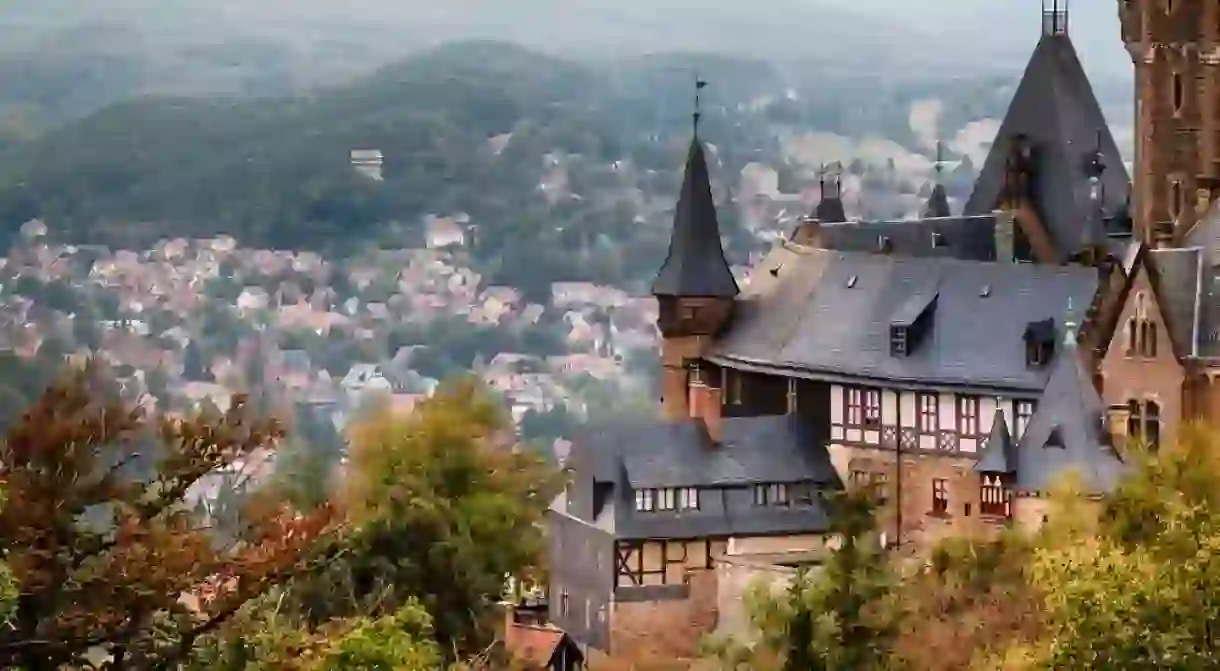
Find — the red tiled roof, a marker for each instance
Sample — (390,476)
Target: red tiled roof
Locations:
(532,644)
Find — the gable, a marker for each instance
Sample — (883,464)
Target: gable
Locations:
(1142,302)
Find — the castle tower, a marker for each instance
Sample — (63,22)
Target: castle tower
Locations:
(1175,46)
(1038,168)
(695,289)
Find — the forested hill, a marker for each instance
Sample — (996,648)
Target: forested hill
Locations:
(275,171)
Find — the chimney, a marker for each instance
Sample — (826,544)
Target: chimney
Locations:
(711,414)
(705,404)
(808,232)
(1005,230)
(1117,417)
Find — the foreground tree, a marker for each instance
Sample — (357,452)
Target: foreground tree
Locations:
(973,599)
(108,559)
(836,616)
(1138,586)
(442,509)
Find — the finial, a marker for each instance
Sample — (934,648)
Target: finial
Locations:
(1069,326)
(699,84)
(940,158)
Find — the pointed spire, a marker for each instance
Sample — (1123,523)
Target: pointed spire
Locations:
(695,265)
(697,114)
(998,456)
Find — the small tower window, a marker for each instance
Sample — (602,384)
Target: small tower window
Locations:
(1179,93)
(1175,198)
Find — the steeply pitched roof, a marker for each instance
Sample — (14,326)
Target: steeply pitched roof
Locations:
(827,314)
(938,203)
(695,265)
(1055,109)
(532,644)
(999,455)
(1067,431)
(1178,282)
(948,237)
(830,210)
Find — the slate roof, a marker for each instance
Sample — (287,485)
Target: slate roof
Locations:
(1067,431)
(752,450)
(1055,109)
(826,314)
(998,455)
(695,265)
(938,203)
(1178,284)
(942,237)
(830,210)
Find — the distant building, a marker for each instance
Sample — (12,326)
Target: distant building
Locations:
(368,162)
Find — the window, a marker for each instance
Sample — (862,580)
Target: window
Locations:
(1144,422)
(929,412)
(1148,339)
(872,408)
(1179,93)
(1175,198)
(898,341)
(881,488)
(802,494)
(1037,352)
(968,415)
(735,387)
(777,495)
(760,495)
(994,497)
(859,479)
(688,498)
(563,603)
(665,499)
(1024,411)
(774,494)
(645,500)
(940,496)
(853,404)
(689,313)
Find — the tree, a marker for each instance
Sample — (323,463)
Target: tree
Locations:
(837,616)
(1138,585)
(442,509)
(106,555)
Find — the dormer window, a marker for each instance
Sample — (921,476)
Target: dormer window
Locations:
(1039,342)
(884,245)
(1055,439)
(898,340)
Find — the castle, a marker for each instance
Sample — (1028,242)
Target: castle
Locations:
(954,365)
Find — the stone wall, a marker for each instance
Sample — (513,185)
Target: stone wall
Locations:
(735,577)
(667,628)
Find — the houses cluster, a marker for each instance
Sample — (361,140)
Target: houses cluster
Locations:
(189,322)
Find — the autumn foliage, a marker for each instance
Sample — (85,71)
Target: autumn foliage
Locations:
(110,560)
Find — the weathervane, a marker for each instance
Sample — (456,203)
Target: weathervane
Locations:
(699,84)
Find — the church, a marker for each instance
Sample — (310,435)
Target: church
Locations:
(956,366)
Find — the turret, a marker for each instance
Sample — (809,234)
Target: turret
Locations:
(695,289)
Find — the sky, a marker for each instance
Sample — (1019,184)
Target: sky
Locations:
(960,33)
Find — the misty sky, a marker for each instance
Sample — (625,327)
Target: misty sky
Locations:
(963,33)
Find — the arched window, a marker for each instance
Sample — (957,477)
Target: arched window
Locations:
(1179,93)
